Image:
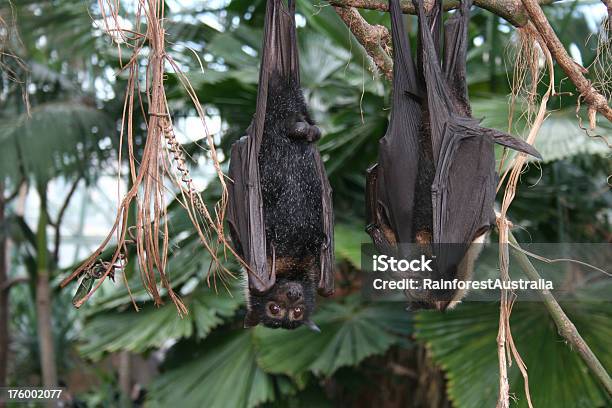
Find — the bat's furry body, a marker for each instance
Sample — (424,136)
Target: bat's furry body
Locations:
(292,207)
(290,186)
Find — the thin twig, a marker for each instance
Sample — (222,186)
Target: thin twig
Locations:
(15,192)
(13,282)
(566,328)
(60,215)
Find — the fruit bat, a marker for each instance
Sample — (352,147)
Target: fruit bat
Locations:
(434,183)
(280,208)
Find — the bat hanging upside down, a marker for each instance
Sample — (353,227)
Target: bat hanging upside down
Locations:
(434,183)
(292,195)
(280,213)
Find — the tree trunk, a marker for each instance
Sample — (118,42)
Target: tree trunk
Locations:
(43,298)
(125,377)
(4,314)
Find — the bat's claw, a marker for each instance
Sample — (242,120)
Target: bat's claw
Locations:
(305,131)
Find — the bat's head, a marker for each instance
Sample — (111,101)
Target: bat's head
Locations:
(288,305)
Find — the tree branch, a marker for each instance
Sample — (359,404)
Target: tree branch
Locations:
(375,39)
(573,70)
(14,282)
(510,10)
(60,216)
(14,193)
(564,325)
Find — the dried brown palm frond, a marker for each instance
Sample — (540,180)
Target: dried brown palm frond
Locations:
(527,74)
(527,57)
(162,160)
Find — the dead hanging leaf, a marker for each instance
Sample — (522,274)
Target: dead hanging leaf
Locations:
(162,160)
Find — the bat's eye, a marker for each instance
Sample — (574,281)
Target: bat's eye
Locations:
(298,312)
(274,309)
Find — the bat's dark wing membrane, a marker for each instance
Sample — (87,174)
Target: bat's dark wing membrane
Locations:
(325,285)
(455,46)
(245,212)
(390,215)
(455,50)
(463,190)
(507,140)
(238,192)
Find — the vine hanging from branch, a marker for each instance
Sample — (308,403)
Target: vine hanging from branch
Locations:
(161,161)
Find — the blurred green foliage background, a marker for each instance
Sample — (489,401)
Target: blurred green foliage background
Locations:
(368,354)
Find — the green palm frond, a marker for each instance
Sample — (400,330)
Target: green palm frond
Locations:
(60,138)
(226,374)
(351,330)
(348,239)
(463,342)
(153,327)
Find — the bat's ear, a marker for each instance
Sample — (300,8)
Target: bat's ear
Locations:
(512,142)
(312,326)
(250,320)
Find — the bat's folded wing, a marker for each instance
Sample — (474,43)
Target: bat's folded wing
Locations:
(237,198)
(245,215)
(463,190)
(512,142)
(463,193)
(325,285)
(455,47)
(391,184)
(383,236)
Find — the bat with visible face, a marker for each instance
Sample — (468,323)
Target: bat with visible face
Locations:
(280,209)
(434,183)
